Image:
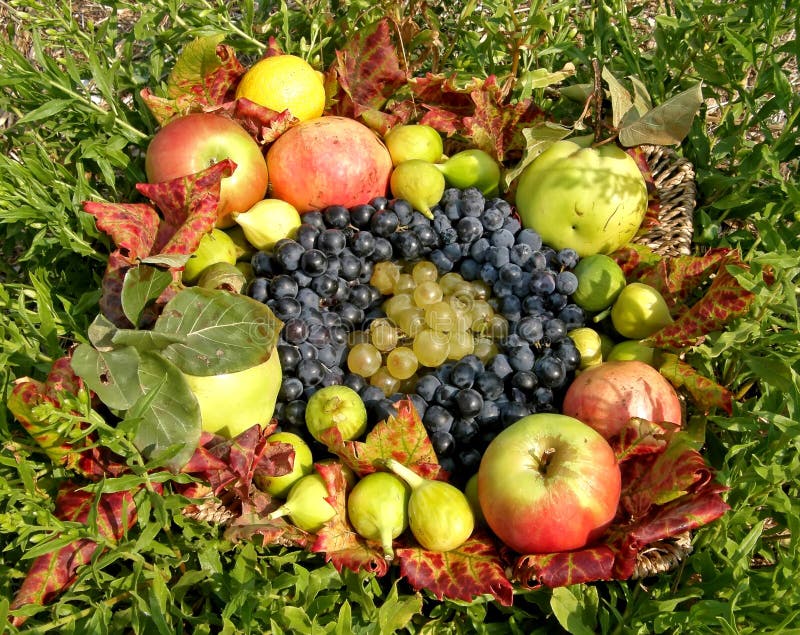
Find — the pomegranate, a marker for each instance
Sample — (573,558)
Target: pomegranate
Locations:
(328,161)
(608,395)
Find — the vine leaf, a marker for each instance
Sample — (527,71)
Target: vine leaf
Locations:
(401,437)
(337,539)
(562,569)
(473,569)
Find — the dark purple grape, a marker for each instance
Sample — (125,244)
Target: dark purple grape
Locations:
(331,242)
(384,223)
(336,216)
(437,419)
(360,215)
(469,402)
(291,389)
(314,262)
(289,357)
(258,289)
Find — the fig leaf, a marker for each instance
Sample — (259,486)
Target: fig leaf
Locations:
(224,332)
(473,569)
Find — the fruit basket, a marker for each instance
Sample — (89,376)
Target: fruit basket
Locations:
(673,177)
(141,273)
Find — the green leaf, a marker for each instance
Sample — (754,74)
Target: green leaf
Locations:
(101,332)
(169,427)
(537,139)
(111,374)
(224,332)
(575,608)
(542,77)
(145,340)
(667,123)
(166,260)
(621,101)
(141,286)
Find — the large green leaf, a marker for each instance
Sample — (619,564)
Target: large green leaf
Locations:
(168,413)
(667,123)
(224,332)
(141,286)
(111,374)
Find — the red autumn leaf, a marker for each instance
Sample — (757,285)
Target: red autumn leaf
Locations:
(263,124)
(204,77)
(473,569)
(566,568)
(53,572)
(639,437)
(44,410)
(368,73)
(706,393)
(658,479)
(401,437)
(188,207)
(339,542)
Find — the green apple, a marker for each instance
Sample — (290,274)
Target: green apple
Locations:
(590,199)
(303,464)
(231,403)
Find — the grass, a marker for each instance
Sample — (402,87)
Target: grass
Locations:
(74,128)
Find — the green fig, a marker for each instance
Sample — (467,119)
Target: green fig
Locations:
(306,505)
(632,349)
(215,246)
(472,168)
(378,509)
(419,182)
(439,514)
(639,311)
(414,141)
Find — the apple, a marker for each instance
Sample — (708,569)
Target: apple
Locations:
(590,199)
(231,403)
(608,395)
(548,483)
(191,143)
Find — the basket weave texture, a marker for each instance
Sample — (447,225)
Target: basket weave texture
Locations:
(674,178)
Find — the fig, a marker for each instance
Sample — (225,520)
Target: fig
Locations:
(306,504)
(600,281)
(215,246)
(414,141)
(267,222)
(472,168)
(223,275)
(378,509)
(589,345)
(339,407)
(303,464)
(639,311)
(439,514)
(419,182)
(633,349)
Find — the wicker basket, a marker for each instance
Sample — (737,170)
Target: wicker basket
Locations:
(677,197)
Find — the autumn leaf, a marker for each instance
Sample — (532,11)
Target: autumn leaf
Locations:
(401,436)
(706,393)
(367,73)
(337,540)
(565,568)
(473,569)
(639,437)
(51,573)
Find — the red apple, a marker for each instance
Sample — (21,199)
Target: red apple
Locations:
(548,483)
(194,142)
(608,395)
(328,161)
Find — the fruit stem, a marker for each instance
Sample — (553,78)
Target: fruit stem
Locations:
(543,460)
(283,510)
(386,544)
(413,479)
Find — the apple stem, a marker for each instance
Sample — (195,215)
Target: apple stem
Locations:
(413,479)
(543,461)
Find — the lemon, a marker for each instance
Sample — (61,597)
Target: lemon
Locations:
(284,82)
(600,281)
(267,222)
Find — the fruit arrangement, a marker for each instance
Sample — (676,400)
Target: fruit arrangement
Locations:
(363,347)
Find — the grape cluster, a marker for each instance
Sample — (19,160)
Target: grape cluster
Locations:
(341,284)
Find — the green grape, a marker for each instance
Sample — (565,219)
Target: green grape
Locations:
(383,334)
(384,276)
(449,281)
(480,316)
(404,284)
(498,327)
(431,347)
(384,380)
(402,363)
(411,320)
(357,337)
(427,293)
(461,344)
(485,349)
(482,289)
(364,359)
(440,316)
(424,271)
(397,303)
